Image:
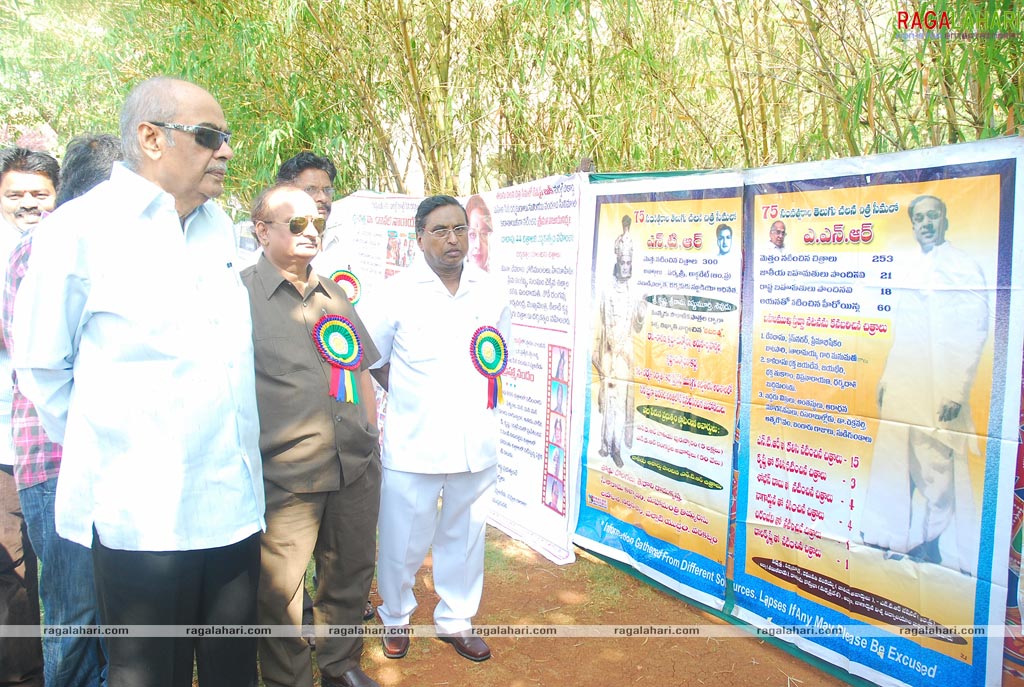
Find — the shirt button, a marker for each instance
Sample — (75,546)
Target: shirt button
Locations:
(303,305)
(337,418)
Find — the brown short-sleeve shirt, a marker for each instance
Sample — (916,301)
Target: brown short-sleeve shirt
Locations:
(309,441)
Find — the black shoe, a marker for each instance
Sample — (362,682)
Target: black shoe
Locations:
(351,678)
(927,552)
(368,612)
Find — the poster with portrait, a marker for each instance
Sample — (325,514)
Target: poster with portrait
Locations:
(661,405)
(878,433)
(370,235)
(529,236)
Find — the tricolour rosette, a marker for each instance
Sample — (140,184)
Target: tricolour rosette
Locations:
(349,283)
(489,354)
(336,339)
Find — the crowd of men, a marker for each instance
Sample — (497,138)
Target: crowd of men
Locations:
(184,440)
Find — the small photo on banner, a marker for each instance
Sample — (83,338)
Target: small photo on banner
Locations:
(558,398)
(401,251)
(554,493)
(555,466)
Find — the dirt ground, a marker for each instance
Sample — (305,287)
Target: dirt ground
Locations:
(522,587)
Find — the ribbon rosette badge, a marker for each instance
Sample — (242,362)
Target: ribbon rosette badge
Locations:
(349,283)
(336,339)
(490,356)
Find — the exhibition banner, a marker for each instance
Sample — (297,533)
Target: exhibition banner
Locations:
(535,247)
(792,394)
(881,372)
(661,404)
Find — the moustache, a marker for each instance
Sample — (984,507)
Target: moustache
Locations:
(25,212)
(221,167)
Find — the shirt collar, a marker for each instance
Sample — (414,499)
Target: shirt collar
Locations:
(139,193)
(422,272)
(272,279)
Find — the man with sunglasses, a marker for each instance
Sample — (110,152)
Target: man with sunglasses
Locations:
(144,372)
(439,433)
(320,446)
(315,175)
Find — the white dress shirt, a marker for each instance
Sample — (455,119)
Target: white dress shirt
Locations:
(134,341)
(437,419)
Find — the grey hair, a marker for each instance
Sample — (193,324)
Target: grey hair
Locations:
(153,100)
(913,204)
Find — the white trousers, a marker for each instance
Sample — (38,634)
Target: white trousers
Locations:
(411,522)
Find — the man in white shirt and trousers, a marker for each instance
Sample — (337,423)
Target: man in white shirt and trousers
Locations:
(919,500)
(439,434)
(133,339)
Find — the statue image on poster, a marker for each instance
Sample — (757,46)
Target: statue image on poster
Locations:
(919,498)
(622,315)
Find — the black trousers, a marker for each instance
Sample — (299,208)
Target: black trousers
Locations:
(21,658)
(203,587)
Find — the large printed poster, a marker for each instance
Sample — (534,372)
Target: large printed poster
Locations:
(792,394)
(661,409)
(879,429)
(534,247)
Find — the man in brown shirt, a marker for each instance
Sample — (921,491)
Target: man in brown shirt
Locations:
(321,461)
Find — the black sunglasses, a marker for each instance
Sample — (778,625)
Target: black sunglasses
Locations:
(297,225)
(205,136)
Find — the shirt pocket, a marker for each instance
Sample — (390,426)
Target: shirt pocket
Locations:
(428,334)
(420,343)
(282,355)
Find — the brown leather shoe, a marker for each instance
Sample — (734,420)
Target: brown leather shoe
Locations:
(468,645)
(350,678)
(395,646)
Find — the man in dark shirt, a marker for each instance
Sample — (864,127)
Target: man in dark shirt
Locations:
(319,442)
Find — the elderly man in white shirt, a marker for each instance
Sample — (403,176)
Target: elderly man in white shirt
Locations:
(920,501)
(148,381)
(439,433)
